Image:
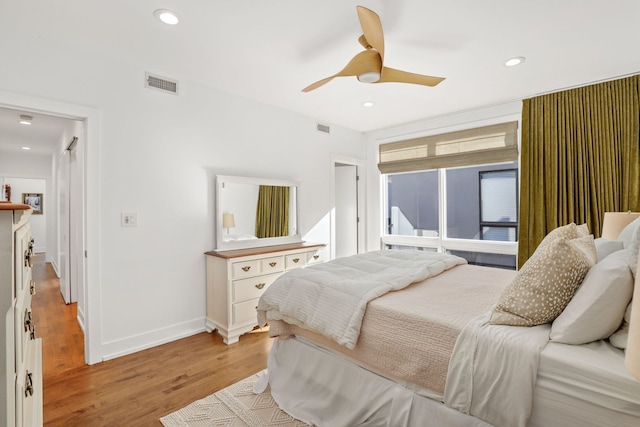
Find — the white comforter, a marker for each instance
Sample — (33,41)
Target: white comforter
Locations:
(331,298)
(493,371)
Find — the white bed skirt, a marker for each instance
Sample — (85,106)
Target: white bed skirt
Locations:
(320,388)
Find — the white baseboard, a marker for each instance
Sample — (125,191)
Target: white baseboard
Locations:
(55,267)
(135,343)
(80,318)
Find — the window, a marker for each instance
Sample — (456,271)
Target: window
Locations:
(470,210)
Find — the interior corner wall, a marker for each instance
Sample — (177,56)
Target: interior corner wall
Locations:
(158,156)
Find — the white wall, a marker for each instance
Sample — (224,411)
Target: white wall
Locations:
(158,157)
(38,222)
(24,172)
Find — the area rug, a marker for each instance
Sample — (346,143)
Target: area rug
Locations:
(234,406)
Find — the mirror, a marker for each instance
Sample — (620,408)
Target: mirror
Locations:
(253,212)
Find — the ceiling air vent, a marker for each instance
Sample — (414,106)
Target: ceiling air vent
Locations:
(161,83)
(323,128)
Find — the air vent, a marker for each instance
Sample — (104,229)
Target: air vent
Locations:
(161,83)
(323,128)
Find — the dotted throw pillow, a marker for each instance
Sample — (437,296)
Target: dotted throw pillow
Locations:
(546,283)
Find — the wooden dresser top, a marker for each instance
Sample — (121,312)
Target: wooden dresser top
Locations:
(8,206)
(235,253)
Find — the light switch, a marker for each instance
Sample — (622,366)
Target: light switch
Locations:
(128,219)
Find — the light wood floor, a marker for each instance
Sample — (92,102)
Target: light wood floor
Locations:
(134,390)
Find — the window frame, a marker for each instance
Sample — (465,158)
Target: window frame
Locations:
(442,242)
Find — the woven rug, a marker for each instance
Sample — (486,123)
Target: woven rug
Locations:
(234,406)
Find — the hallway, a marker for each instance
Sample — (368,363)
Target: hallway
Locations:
(56,323)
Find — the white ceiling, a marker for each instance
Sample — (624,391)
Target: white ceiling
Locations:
(42,136)
(270,50)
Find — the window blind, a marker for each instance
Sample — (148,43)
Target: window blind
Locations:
(484,145)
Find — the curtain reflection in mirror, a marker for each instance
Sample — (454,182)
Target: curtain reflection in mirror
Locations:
(272,218)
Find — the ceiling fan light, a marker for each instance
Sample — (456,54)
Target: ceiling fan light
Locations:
(369,77)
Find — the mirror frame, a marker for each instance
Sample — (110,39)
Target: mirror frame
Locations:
(253,243)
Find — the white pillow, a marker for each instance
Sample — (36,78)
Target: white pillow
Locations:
(634,248)
(626,235)
(597,308)
(605,247)
(619,338)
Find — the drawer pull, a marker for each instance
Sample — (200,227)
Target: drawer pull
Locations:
(296,259)
(28,391)
(260,285)
(316,256)
(27,258)
(32,335)
(273,264)
(27,320)
(247,268)
(32,287)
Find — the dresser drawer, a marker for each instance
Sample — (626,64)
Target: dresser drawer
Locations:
(295,260)
(253,287)
(245,269)
(24,258)
(29,388)
(272,265)
(24,327)
(244,312)
(316,257)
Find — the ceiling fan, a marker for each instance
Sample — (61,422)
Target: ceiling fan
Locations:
(367,65)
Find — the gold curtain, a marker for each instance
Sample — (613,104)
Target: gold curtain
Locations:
(579,159)
(272,218)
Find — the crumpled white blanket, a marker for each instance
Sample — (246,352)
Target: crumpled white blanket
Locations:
(493,371)
(331,298)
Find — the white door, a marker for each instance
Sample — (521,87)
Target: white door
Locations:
(63,226)
(346,210)
(76,222)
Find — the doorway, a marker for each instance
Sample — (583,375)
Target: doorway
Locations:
(87,215)
(347,222)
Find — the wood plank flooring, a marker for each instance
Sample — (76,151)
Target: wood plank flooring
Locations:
(134,390)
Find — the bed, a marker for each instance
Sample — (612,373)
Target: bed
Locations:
(454,344)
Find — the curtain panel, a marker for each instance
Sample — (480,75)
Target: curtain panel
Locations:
(272,213)
(579,159)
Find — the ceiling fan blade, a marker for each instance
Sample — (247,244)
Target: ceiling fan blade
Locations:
(398,76)
(372,28)
(368,60)
(317,84)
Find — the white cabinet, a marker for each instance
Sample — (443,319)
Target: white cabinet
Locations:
(21,360)
(236,279)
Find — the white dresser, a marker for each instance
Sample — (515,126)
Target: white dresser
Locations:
(236,279)
(21,360)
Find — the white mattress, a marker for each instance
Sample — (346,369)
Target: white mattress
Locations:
(578,386)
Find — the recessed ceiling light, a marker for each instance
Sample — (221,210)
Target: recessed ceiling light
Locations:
(368,104)
(25,120)
(167,16)
(512,62)
(26,148)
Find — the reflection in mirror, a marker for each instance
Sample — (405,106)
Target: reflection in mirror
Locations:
(256,212)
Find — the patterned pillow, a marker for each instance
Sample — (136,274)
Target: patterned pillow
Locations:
(569,231)
(546,283)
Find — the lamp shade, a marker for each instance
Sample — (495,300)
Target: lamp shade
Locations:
(632,353)
(228,221)
(615,222)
